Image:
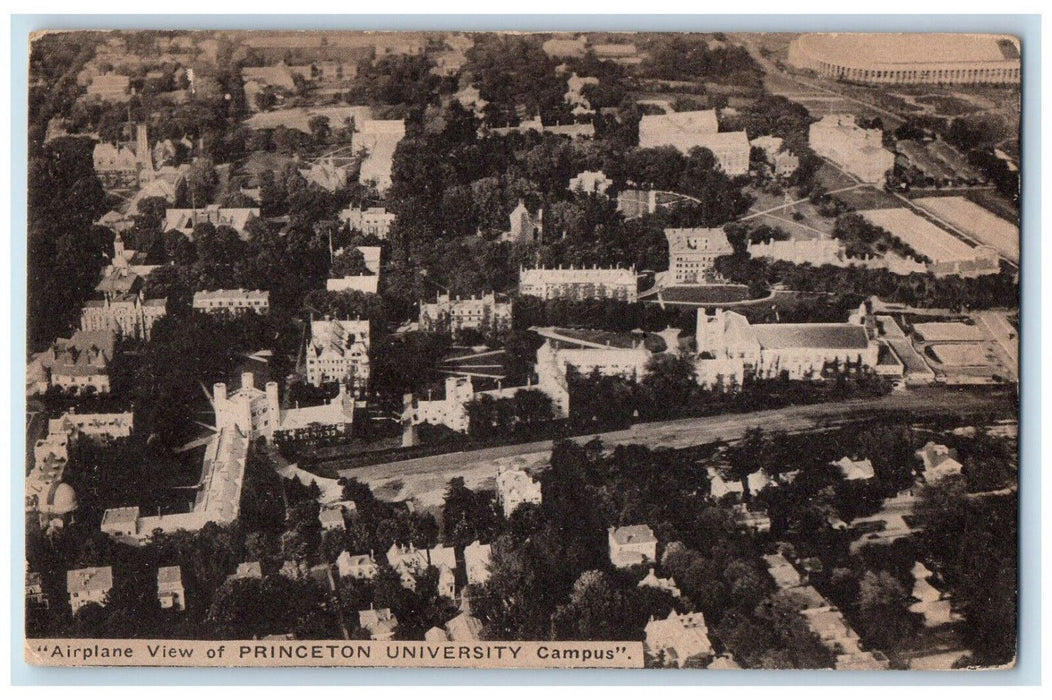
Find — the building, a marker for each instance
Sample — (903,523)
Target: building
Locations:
(799,350)
(258,413)
(943,253)
(410,563)
(128,315)
(338,351)
(184,220)
(591,182)
(357,566)
(331,519)
(101,427)
(909,58)
(631,545)
(368,282)
(859,151)
(380,624)
(117,166)
(814,251)
(562,47)
(476,561)
(524,227)
(110,87)
(514,488)
(662,584)
(720,487)
(579,283)
(679,638)
(327,174)
(782,161)
(681,130)
(939,462)
(450,410)
(374,221)
(35,596)
(855,470)
(217,498)
(931,603)
(90,585)
(453,314)
(731,149)
(80,364)
(692,253)
(170,591)
(232,301)
(379,138)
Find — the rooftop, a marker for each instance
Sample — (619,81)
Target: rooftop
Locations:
(838,336)
(632,534)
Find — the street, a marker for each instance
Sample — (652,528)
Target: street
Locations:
(424,479)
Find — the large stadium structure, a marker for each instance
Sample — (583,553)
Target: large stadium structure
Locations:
(909,58)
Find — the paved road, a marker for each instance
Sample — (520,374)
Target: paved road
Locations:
(424,478)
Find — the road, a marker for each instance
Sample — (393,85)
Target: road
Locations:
(424,479)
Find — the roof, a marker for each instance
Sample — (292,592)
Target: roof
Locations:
(693,240)
(632,534)
(242,294)
(858,49)
(920,234)
(855,470)
(838,336)
(114,516)
(660,125)
(464,628)
(169,575)
(94,578)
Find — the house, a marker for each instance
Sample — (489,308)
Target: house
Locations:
(380,624)
(327,174)
(662,584)
(35,595)
(338,351)
(80,364)
(939,462)
(476,561)
(681,130)
(410,562)
(331,519)
(679,638)
(514,488)
(631,545)
(855,470)
(453,314)
(591,182)
(247,569)
(524,226)
(89,585)
(170,588)
(374,221)
(232,301)
(692,253)
(720,487)
(579,283)
(782,161)
(357,566)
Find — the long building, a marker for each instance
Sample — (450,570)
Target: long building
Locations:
(909,58)
(579,283)
(946,254)
(767,350)
(454,314)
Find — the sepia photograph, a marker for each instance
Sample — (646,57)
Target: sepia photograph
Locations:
(591,349)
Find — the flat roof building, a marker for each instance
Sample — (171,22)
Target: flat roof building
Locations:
(946,254)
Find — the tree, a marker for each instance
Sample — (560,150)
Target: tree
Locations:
(882,605)
(670,379)
(349,262)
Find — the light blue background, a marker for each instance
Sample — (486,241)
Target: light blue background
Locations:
(1027,27)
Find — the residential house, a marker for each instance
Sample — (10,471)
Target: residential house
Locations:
(380,624)
(410,562)
(679,638)
(631,545)
(939,462)
(476,561)
(170,591)
(89,585)
(357,566)
(331,519)
(855,470)
(514,488)
(668,585)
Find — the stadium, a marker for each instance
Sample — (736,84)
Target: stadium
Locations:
(909,58)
